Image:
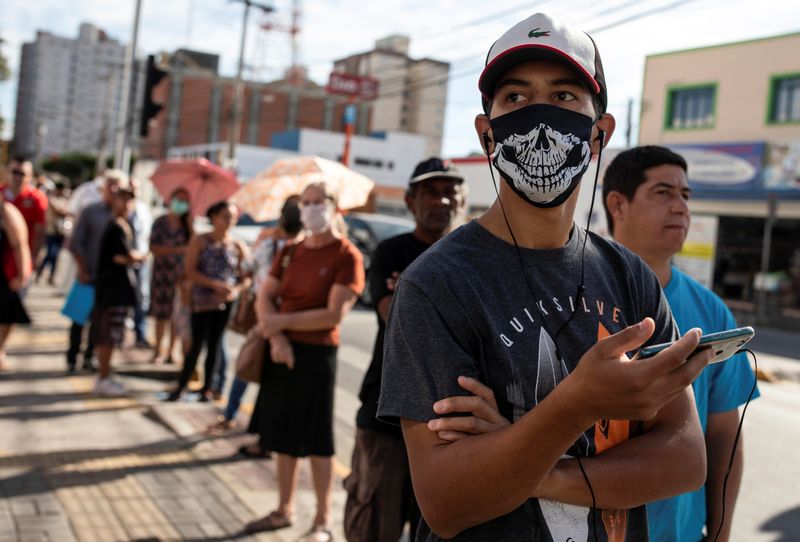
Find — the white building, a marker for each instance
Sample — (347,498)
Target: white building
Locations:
(388,158)
(412,94)
(69,93)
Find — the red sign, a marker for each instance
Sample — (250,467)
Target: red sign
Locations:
(354,86)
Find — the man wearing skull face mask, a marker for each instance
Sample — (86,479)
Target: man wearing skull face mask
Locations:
(543,314)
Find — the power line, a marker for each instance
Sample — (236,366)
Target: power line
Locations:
(420,85)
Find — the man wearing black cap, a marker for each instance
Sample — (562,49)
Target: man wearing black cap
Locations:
(544,314)
(380,498)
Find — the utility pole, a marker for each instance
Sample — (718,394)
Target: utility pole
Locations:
(122,150)
(102,141)
(235,125)
(629,124)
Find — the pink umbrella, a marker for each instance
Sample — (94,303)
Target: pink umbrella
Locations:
(206,182)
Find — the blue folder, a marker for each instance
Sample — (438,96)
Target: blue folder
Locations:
(79,303)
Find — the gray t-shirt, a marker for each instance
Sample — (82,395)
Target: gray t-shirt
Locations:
(463,308)
(87,233)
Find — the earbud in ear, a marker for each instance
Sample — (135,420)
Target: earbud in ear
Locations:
(602,136)
(486,141)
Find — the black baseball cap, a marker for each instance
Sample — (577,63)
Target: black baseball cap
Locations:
(435,168)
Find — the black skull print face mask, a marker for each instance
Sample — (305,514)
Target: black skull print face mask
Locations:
(542,151)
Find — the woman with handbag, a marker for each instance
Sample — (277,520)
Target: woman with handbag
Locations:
(215,267)
(169,239)
(269,243)
(311,287)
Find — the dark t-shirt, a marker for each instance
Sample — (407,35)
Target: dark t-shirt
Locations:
(115,282)
(391,256)
(463,308)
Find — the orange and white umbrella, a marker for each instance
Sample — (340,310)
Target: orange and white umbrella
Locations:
(262,196)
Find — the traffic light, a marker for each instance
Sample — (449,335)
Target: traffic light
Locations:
(150,108)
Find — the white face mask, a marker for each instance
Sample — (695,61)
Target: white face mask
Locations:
(317,217)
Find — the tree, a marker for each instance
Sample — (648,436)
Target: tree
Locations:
(78,167)
(5,72)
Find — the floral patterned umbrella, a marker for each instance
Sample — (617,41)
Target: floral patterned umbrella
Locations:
(262,196)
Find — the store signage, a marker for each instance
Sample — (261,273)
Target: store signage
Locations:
(743,171)
(364,88)
(723,169)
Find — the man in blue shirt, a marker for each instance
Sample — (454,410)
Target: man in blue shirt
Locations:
(645,195)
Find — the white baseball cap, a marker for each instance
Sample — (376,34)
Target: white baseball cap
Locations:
(541,37)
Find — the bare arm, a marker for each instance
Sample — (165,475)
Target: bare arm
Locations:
(630,474)
(720,433)
(246,279)
(383,307)
(280,347)
(639,470)
(340,300)
(473,480)
(38,239)
(164,250)
(17,235)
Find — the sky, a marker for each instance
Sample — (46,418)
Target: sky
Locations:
(457,31)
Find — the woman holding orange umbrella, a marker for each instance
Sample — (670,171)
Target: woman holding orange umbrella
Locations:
(311,287)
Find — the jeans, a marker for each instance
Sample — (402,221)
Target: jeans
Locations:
(53,245)
(139,311)
(238,388)
(207,329)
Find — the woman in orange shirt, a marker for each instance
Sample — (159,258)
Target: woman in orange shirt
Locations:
(311,287)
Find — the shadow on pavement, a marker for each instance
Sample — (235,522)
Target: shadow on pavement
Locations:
(49,466)
(786,525)
(33,415)
(38,399)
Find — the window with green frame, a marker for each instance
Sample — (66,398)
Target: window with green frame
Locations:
(785,99)
(691,107)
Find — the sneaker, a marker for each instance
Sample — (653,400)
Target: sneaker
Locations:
(107,387)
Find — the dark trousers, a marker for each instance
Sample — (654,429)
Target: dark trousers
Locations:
(380,498)
(53,245)
(139,311)
(207,329)
(75,340)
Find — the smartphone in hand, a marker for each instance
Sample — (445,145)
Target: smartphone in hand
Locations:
(725,344)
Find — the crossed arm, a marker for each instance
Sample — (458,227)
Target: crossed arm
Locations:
(272,324)
(475,479)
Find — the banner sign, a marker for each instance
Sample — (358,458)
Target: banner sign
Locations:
(742,170)
(365,88)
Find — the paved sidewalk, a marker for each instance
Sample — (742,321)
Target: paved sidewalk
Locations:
(77,467)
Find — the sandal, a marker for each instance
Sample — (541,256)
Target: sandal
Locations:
(318,533)
(221,426)
(271,522)
(250,451)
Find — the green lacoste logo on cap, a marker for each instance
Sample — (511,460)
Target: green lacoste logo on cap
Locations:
(536,34)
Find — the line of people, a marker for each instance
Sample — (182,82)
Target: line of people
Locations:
(578,443)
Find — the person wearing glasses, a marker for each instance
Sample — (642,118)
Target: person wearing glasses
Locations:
(30,201)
